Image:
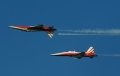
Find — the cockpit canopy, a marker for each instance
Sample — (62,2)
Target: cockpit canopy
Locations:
(71,51)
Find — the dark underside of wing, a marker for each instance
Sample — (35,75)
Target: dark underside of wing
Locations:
(80,55)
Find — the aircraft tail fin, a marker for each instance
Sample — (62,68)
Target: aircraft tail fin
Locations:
(90,50)
(50,33)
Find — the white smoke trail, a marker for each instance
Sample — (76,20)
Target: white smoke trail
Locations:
(79,34)
(118,55)
(110,31)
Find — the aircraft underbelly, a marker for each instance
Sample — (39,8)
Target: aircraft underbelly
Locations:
(32,30)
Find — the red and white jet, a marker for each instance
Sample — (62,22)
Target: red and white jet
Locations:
(90,53)
(40,27)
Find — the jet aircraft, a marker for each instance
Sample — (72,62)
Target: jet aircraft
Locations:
(89,53)
(40,27)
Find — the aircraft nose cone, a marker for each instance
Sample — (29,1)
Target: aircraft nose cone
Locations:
(11,26)
(52,54)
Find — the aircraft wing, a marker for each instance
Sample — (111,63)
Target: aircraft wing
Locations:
(79,56)
(50,33)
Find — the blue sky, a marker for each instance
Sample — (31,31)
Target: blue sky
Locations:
(28,54)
